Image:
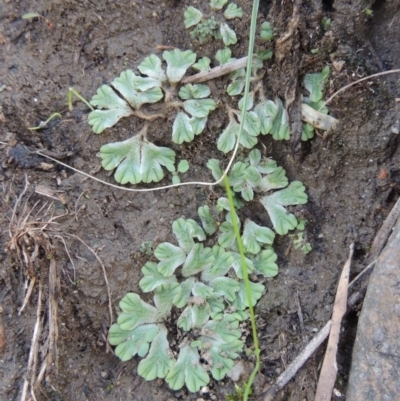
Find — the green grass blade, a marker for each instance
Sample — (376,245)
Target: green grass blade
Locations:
(248,290)
(72,91)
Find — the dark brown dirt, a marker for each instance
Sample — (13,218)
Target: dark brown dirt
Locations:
(87,43)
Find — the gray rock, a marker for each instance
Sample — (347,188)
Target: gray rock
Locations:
(375,369)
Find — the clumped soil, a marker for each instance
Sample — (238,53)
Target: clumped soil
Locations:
(351,175)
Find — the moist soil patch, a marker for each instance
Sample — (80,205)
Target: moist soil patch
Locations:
(352,177)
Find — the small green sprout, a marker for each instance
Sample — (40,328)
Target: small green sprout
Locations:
(44,123)
(325,23)
(183,167)
(72,91)
(266,31)
(32,15)
(238,395)
(28,16)
(314,109)
(205,30)
(299,238)
(147,247)
(300,243)
(368,12)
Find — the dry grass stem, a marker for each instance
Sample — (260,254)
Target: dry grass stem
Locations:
(52,360)
(329,367)
(28,294)
(33,353)
(297,363)
(216,72)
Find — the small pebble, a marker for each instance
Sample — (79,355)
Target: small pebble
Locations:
(395,130)
(105,374)
(205,390)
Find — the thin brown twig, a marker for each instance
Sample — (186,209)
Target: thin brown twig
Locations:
(17,202)
(41,374)
(359,275)
(323,333)
(34,346)
(297,363)
(28,294)
(51,360)
(216,71)
(329,369)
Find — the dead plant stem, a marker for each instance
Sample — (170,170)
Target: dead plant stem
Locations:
(34,348)
(329,368)
(216,71)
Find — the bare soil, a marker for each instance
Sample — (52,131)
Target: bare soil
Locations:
(352,178)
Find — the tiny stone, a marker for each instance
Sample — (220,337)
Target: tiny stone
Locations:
(105,374)
(338,65)
(395,130)
(337,392)
(204,390)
